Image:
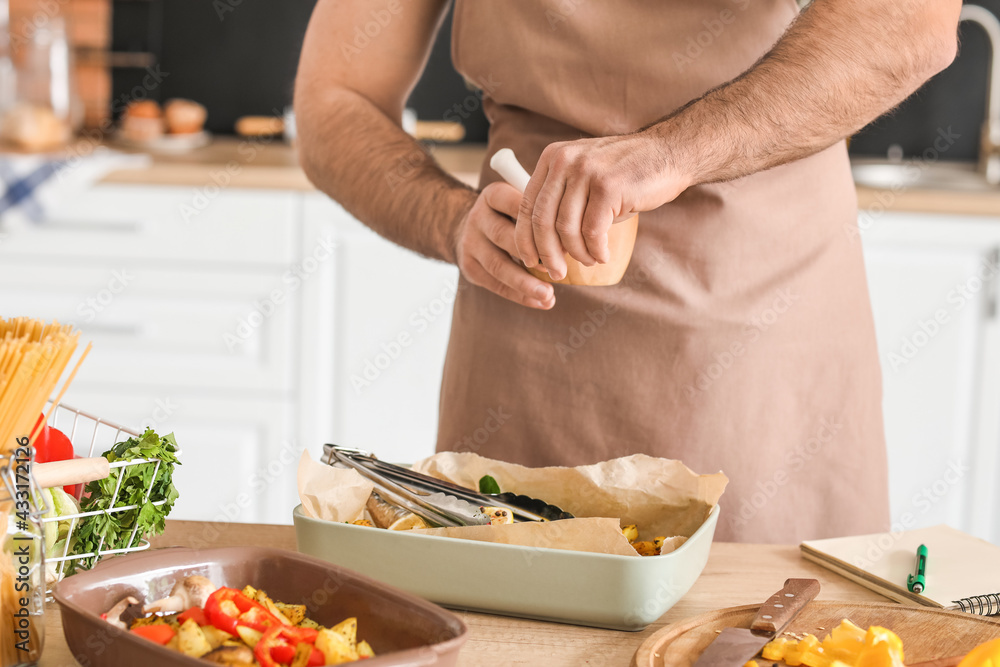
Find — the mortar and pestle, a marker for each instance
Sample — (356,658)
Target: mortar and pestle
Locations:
(621,236)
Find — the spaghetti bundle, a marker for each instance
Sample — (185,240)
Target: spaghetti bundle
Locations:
(33,356)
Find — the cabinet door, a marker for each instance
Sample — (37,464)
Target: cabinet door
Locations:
(238,455)
(391,324)
(932,283)
(166,224)
(158,327)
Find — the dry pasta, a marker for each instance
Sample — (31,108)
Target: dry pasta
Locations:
(33,356)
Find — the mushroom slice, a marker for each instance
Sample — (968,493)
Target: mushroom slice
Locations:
(114,615)
(189,592)
(230,655)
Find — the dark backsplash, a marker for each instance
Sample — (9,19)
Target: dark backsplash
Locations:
(239,57)
(955,98)
(243,62)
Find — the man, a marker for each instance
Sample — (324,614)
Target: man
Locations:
(741,337)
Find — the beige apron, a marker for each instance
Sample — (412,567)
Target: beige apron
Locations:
(741,338)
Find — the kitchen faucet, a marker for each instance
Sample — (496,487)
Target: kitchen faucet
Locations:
(989,144)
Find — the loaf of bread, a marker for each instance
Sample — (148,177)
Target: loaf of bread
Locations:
(259,126)
(184,116)
(142,122)
(34,128)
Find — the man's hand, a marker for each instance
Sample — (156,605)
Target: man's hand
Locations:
(484,247)
(580,188)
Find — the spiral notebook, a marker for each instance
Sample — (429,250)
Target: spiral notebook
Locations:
(958,565)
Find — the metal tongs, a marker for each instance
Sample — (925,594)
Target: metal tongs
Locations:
(436,501)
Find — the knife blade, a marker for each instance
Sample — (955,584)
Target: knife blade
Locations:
(735,646)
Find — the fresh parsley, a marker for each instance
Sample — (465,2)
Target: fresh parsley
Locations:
(146,519)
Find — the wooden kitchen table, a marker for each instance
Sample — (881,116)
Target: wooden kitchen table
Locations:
(736,574)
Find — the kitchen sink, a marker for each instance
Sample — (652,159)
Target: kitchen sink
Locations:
(917,174)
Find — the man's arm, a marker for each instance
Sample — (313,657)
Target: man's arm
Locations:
(359,63)
(349,98)
(839,66)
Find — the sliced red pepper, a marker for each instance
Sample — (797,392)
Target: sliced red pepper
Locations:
(252,614)
(316,658)
(258,618)
(284,639)
(283,653)
(197,614)
(160,633)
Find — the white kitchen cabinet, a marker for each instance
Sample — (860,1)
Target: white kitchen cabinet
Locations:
(195,324)
(933,283)
(393,317)
(149,223)
(246,329)
(157,327)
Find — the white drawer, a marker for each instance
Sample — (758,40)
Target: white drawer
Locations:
(165,328)
(239,455)
(167,223)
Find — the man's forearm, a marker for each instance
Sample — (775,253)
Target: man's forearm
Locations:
(839,66)
(380,174)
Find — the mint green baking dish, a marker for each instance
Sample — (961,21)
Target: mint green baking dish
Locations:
(599,590)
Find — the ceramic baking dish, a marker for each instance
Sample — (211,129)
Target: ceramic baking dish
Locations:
(401,628)
(600,590)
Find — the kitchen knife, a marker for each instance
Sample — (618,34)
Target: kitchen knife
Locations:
(735,646)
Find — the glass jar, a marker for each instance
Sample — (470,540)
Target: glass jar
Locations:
(46,108)
(22,563)
(8,82)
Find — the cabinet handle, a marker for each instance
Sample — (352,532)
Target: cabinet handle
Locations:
(120,330)
(990,293)
(93,226)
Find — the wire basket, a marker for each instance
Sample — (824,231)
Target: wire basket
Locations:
(91,436)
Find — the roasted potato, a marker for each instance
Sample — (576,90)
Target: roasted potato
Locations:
(249,635)
(335,647)
(191,640)
(215,636)
(348,629)
(295,613)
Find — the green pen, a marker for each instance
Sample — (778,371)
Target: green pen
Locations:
(917,582)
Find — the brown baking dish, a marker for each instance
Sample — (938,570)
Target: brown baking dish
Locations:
(401,628)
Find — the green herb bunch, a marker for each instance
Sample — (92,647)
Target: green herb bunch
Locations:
(116,527)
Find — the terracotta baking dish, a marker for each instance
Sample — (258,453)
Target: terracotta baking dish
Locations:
(402,629)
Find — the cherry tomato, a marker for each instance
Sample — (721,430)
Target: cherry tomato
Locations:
(51,444)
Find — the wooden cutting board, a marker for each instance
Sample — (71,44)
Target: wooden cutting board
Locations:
(927,633)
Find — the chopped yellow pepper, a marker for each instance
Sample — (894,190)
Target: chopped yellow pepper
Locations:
(984,655)
(847,645)
(774,649)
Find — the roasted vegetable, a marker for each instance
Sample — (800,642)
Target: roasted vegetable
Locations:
(191,640)
(498,516)
(387,515)
(265,633)
(235,656)
(335,648)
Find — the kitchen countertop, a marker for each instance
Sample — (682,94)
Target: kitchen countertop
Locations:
(273,164)
(736,574)
(265,163)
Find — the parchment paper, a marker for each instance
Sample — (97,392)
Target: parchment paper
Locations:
(662,497)
(334,494)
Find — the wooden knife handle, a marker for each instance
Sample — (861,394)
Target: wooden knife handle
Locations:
(72,471)
(782,607)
